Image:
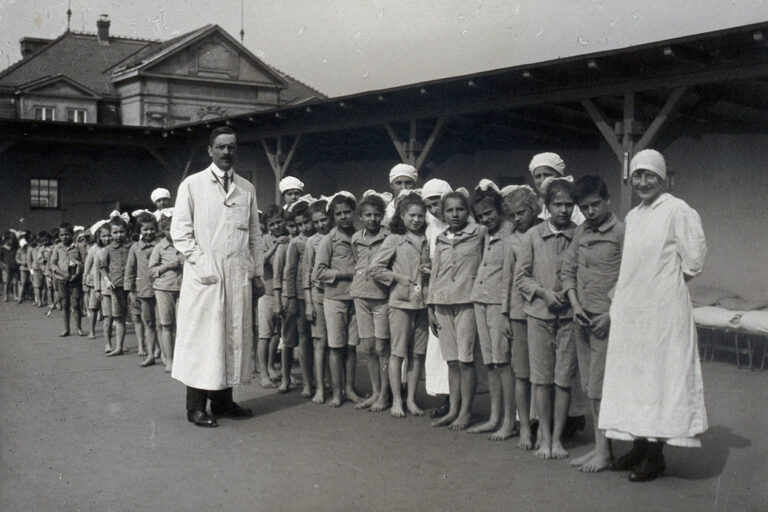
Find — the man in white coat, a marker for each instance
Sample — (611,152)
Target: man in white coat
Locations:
(216,227)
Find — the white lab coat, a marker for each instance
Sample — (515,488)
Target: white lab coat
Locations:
(653,386)
(435,367)
(220,238)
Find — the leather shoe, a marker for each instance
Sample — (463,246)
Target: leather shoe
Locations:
(231,410)
(201,419)
(632,459)
(647,470)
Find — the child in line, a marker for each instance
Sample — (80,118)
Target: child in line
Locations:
(165,269)
(293,297)
(138,283)
(275,217)
(522,208)
(487,295)
(550,343)
(335,268)
(22,260)
(104,235)
(314,295)
(458,252)
(403,264)
(50,289)
(112,267)
(590,270)
(67,267)
(401,177)
(370,300)
(268,311)
(36,270)
(92,299)
(9,266)
(290,190)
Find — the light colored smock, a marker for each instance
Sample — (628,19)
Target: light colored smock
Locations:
(653,386)
(435,367)
(220,238)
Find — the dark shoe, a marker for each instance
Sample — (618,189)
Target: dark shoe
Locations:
(632,459)
(572,425)
(231,410)
(647,470)
(441,411)
(201,419)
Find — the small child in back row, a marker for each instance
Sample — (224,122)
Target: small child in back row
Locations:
(138,284)
(113,263)
(67,268)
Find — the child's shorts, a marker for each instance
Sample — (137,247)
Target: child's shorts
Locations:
(494,345)
(166,307)
(372,318)
(134,306)
(106,304)
(70,293)
(147,308)
(94,299)
(341,322)
(457,331)
(290,324)
(119,302)
(266,318)
(520,358)
(591,352)
(552,352)
(48,281)
(37,279)
(318,328)
(410,331)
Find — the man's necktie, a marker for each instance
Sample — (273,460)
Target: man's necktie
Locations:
(225,183)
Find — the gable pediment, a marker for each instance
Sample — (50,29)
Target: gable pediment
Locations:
(61,86)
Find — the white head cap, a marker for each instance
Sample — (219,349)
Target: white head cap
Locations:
(405,170)
(290,183)
(435,188)
(551,160)
(160,193)
(649,160)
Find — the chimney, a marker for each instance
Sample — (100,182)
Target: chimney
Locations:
(30,45)
(102,25)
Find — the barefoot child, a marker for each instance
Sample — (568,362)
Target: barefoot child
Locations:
(285,325)
(550,344)
(370,299)
(104,235)
(115,258)
(9,265)
(36,269)
(22,260)
(487,295)
(296,324)
(458,252)
(403,265)
(138,283)
(335,268)
(165,268)
(45,263)
(67,267)
(90,289)
(314,295)
(522,208)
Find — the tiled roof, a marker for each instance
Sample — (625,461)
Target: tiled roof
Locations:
(79,56)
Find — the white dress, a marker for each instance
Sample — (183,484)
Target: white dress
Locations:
(435,368)
(220,238)
(653,386)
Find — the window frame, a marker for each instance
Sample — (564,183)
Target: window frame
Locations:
(75,112)
(43,108)
(39,196)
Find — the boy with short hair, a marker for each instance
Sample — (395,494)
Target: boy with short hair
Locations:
(36,269)
(113,263)
(590,269)
(138,283)
(67,269)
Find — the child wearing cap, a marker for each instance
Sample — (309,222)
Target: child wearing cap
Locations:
(291,190)
(161,198)
(401,177)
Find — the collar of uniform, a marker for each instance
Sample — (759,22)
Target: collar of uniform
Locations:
(469,229)
(143,244)
(409,238)
(504,231)
(164,243)
(546,230)
(219,173)
(606,226)
(662,197)
(337,234)
(360,236)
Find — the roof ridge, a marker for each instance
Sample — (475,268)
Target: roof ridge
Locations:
(281,72)
(122,38)
(37,52)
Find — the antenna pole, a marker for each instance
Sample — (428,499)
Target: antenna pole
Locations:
(69,13)
(242,21)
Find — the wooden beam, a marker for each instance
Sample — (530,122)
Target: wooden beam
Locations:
(430,142)
(161,160)
(291,152)
(627,147)
(604,126)
(189,163)
(396,142)
(661,119)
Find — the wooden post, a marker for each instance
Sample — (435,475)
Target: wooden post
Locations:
(278,161)
(411,152)
(627,146)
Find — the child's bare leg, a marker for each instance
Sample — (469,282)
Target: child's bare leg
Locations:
(38,296)
(262,356)
(93,317)
(415,365)
(454,389)
(119,337)
(350,370)
(108,334)
(602,455)
(166,346)
(274,342)
(494,390)
(66,307)
(562,403)
(395,377)
(382,352)
(337,371)
(373,371)
(305,360)
(319,345)
(468,384)
(150,336)
(22,285)
(138,326)
(78,317)
(286,365)
(543,399)
(508,428)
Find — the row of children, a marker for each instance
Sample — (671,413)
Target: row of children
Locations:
(506,267)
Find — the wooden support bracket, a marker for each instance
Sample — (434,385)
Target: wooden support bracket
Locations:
(278,160)
(661,119)
(602,123)
(413,152)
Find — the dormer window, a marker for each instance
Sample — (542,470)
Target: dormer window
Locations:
(77,115)
(45,114)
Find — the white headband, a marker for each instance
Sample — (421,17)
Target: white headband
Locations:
(160,193)
(290,183)
(405,170)
(551,160)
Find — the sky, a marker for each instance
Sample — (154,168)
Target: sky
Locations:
(347,46)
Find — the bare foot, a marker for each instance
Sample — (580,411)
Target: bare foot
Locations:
(525,443)
(397,410)
(147,362)
(558,452)
(64,333)
(92,336)
(107,348)
(579,461)
(379,405)
(266,383)
(285,386)
(544,451)
(306,392)
(142,353)
(488,426)
(319,396)
(80,332)
(352,396)
(116,352)
(445,420)
(168,368)
(506,431)
(597,463)
(461,422)
(365,404)
(273,375)
(414,409)
(158,354)
(336,401)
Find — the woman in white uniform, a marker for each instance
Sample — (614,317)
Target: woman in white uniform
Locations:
(653,391)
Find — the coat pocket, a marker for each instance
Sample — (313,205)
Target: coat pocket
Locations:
(240,216)
(205,270)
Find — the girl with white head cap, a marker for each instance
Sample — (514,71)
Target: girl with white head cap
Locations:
(291,190)
(544,168)
(401,177)
(653,391)
(161,198)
